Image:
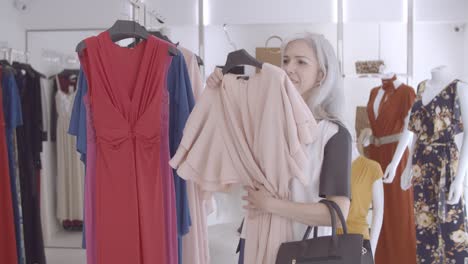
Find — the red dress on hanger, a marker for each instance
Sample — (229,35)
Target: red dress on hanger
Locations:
(126,91)
(7,224)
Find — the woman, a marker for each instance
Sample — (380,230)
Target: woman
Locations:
(311,64)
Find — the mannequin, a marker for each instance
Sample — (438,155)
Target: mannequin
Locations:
(436,167)
(440,77)
(377,204)
(387,107)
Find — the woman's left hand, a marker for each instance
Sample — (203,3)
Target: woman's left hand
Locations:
(257,199)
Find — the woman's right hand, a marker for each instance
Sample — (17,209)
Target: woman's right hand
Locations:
(215,78)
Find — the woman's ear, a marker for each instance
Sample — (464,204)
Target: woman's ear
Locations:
(320,77)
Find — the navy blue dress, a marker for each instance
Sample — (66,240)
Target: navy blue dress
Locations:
(181,103)
(441,229)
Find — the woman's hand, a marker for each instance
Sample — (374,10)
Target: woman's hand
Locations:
(215,78)
(257,199)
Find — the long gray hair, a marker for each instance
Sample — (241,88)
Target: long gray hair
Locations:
(326,101)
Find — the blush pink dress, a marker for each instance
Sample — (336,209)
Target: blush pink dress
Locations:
(251,132)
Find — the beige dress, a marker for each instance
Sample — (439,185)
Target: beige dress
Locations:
(70,170)
(251,132)
(195,243)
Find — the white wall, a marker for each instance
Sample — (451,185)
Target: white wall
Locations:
(269,11)
(11,28)
(435,45)
(102,13)
(251,36)
(441,10)
(374,10)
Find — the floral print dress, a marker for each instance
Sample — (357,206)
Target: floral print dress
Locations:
(440,228)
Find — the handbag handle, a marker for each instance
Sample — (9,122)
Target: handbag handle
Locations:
(337,209)
(340,215)
(332,208)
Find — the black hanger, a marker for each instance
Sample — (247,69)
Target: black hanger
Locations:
(123,29)
(200,61)
(5,63)
(7,69)
(28,69)
(159,35)
(240,57)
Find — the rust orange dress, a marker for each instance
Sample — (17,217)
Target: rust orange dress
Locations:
(397,241)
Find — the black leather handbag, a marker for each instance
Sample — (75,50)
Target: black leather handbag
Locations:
(334,249)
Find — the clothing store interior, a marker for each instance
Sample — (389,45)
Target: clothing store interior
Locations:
(122,142)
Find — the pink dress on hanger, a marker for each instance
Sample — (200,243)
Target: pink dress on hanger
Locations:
(251,132)
(195,243)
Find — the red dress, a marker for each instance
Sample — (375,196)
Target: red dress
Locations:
(126,91)
(7,224)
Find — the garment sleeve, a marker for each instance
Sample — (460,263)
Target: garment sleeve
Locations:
(408,104)
(181,103)
(457,117)
(335,176)
(11,103)
(377,172)
(53,113)
(301,130)
(78,122)
(195,76)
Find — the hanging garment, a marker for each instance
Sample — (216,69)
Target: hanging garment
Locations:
(8,244)
(195,243)
(233,137)
(29,144)
(90,213)
(13,119)
(126,87)
(397,241)
(79,124)
(181,103)
(78,129)
(70,170)
(364,173)
(441,229)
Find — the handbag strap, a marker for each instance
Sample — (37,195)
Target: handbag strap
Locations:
(340,215)
(334,208)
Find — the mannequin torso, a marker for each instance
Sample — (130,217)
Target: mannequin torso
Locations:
(440,79)
(377,204)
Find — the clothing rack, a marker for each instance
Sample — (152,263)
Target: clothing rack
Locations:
(8,54)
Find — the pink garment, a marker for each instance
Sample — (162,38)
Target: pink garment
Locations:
(252,132)
(195,243)
(193,71)
(90,186)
